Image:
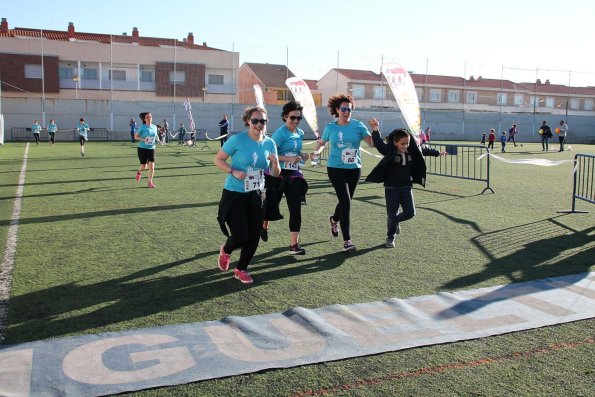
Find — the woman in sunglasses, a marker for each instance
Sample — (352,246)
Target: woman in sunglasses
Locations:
(288,138)
(243,197)
(344,162)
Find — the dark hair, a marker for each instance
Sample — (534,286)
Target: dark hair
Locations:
(82,119)
(290,107)
(336,100)
(396,135)
(248,114)
(142,116)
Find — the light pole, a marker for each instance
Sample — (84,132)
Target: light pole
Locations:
(76,86)
(204,93)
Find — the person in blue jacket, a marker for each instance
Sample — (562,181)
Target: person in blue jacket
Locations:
(402,165)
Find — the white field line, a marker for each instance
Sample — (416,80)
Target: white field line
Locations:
(10,248)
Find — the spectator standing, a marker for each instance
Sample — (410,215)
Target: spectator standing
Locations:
(132,125)
(36,130)
(546,133)
(181,134)
(223,129)
(52,128)
(562,134)
(166,131)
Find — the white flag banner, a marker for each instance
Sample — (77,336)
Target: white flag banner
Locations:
(259,96)
(401,84)
(541,162)
(301,92)
(188,107)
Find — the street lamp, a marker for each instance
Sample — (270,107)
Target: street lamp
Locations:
(76,80)
(204,93)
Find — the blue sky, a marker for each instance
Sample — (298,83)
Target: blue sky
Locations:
(504,38)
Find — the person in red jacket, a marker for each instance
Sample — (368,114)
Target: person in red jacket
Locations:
(491,139)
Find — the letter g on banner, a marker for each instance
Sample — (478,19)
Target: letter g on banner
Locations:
(85,364)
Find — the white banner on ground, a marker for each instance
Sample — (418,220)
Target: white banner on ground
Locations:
(301,92)
(541,162)
(401,84)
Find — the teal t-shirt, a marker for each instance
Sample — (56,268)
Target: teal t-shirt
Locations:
(344,143)
(147,131)
(246,155)
(52,128)
(36,128)
(287,141)
(82,129)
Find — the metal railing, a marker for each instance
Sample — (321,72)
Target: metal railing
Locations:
(583,186)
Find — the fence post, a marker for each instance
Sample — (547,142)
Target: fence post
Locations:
(575,172)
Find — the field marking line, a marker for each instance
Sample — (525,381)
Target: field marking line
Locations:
(10,248)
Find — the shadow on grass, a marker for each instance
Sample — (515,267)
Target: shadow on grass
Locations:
(536,259)
(43,314)
(122,211)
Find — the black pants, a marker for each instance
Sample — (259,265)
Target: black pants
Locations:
(561,139)
(344,181)
(36,136)
(51,135)
(244,220)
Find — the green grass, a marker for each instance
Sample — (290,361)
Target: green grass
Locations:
(99,252)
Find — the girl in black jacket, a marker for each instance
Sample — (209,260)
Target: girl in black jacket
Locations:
(402,165)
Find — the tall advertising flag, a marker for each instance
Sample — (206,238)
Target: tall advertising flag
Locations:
(259,96)
(401,84)
(301,92)
(188,107)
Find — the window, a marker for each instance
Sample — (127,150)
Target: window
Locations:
(550,102)
(358,91)
(33,71)
(588,104)
(177,77)
(65,73)
(575,103)
(216,79)
(89,74)
(379,92)
(502,98)
(435,95)
(519,99)
(117,75)
(146,76)
(454,96)
(471,97)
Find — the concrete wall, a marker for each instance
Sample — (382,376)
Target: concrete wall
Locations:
(445,125)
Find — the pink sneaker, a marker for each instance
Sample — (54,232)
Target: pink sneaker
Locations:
(243,276)
(138,175)
(223,260)
(151,185)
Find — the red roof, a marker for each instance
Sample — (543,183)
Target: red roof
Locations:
(102,38)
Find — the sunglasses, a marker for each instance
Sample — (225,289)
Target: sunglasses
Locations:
(261,121)
(345,110)
(293,118)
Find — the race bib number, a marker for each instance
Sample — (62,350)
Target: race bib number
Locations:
(149,140)
(348,156)
(254,180)
(291,166)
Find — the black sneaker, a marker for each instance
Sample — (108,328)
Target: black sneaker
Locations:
(296,250)
(334,227)
(264,235)
(348,246)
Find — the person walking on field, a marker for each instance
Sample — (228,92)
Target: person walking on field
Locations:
(546,133)
(241,207)
(491,139)
(563,131)
(223,129)
(82,129)
(147,135)
(344,162)
(511,134)
(52,128)
(132,125)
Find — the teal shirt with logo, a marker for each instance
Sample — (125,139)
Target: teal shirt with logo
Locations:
(344,137)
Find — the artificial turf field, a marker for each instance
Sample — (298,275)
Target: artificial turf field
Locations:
(99,252)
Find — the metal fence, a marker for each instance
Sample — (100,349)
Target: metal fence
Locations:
(462,163)
(583,186)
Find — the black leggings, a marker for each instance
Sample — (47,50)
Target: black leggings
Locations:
(294,194)
(344,181)
(244,220)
